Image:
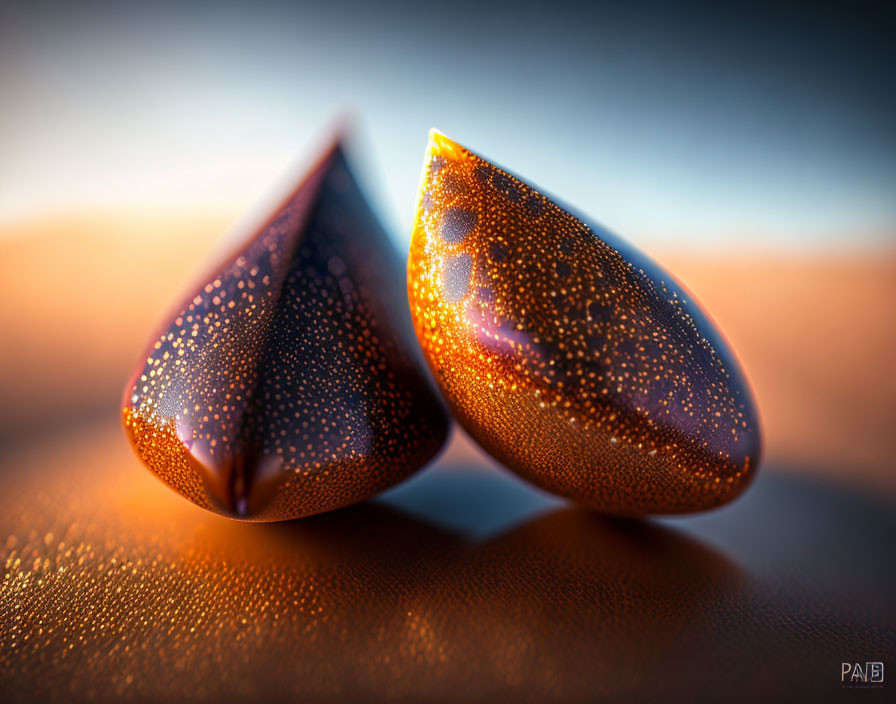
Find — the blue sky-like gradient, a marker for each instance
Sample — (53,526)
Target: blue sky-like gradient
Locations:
(691,126)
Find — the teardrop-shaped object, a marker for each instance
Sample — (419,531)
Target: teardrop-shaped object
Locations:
(289,383)
(566,353)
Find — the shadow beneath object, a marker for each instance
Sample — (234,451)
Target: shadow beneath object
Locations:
(461,585)
(568,605)
(794,527)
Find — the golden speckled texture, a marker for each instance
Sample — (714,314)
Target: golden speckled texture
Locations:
(569,356)
(288,384)
(116,589)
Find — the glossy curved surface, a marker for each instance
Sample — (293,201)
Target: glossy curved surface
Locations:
(288,384)
(568,355)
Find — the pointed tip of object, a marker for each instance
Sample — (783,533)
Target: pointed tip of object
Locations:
(337,139)
(441,145)
(333,150)
(343,126)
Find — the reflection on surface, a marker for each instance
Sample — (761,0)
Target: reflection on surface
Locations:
(115,586)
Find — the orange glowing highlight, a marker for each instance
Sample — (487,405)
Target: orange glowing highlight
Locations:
(569,357)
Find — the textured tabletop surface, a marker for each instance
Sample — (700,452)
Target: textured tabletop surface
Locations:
(462,584)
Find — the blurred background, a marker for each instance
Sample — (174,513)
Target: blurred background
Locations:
(749,148)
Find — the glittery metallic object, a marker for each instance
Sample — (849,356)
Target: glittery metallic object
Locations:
(287,384)
(568,355)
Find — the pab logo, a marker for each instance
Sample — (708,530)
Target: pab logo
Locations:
(855,673)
